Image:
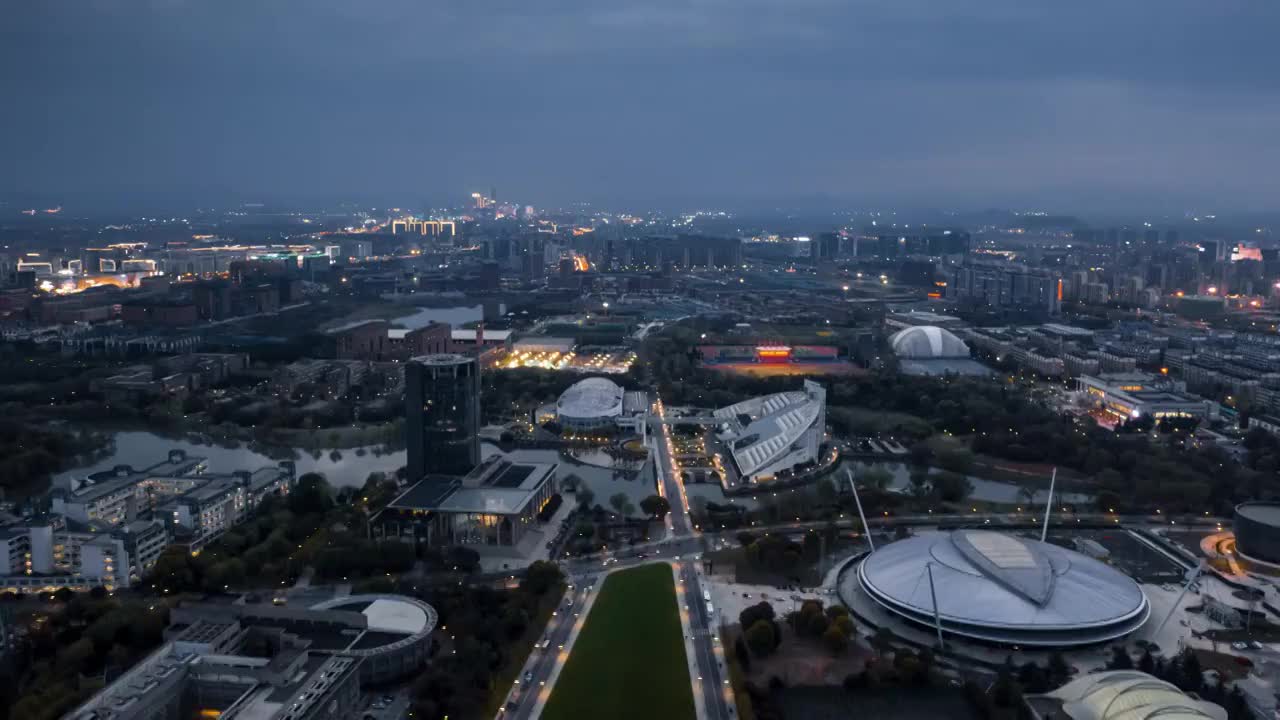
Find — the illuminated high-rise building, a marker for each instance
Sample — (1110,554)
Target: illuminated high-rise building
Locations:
(442,415)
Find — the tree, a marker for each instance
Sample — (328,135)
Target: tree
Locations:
(1033,678)
(655,506)
(1120,659)
(951,486)
(958,461)
(463,559)
(752,614)
(312,494)
(883,640)
(919,479)
(835,640)
(1192,673)
(1059,670)
(571,483)
(761,638)
(619,501)
(826,491)
(740,651)
(585,495)
(1147,663)
(876,478)
(541,577)
(1005,692)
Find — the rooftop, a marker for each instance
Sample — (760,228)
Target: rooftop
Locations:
(1123,695)
(1267,513)
(1004,588)
(496,486)
(592,397)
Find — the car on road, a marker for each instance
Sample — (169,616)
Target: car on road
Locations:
(1254,644)
(528,677)
(1239,646)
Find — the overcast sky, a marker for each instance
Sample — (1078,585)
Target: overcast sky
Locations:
(967,103)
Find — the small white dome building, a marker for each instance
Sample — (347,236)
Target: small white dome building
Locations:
(927,342)
(590,404)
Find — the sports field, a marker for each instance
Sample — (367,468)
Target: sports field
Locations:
(629,660)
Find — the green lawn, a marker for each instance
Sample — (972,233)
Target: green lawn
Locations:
(629,660)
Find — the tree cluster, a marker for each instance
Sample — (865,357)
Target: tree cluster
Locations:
(485,625)
(60,662)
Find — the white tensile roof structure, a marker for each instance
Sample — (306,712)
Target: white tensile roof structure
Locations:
(774,432)
(1003,588)
(1131,695)
(926,342)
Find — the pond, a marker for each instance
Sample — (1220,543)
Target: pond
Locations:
(455,316)
(984,490)
(144,449)
(350,469)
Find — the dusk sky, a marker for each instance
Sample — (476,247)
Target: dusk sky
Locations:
(1070,105)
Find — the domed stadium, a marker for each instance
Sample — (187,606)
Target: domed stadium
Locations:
(590,404)
(927,342)
(1001,588)
(1122,695)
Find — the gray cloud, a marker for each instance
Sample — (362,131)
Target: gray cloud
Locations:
(909,100)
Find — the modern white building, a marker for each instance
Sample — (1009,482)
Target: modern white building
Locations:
(597,404)
(1134,395)
(1001,588)
(197,507)
(1121,695)
(927,342)
(50,556)
(590,404)
(767,435)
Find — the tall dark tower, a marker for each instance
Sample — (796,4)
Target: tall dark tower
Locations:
(442,415)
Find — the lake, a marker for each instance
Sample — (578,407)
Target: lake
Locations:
(455,316)
(144,449)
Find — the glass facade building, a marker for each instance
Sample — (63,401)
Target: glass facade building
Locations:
(442,415)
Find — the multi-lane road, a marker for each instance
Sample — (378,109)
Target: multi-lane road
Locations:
(533,685)
(712,680)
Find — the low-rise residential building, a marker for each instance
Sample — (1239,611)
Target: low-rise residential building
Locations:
(196,506)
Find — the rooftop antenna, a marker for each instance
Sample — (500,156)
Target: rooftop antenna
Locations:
(1048,506)
(866,528)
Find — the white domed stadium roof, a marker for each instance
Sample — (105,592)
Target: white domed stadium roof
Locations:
(591,398)
(1131,695)
(1003,588)
(925,342)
